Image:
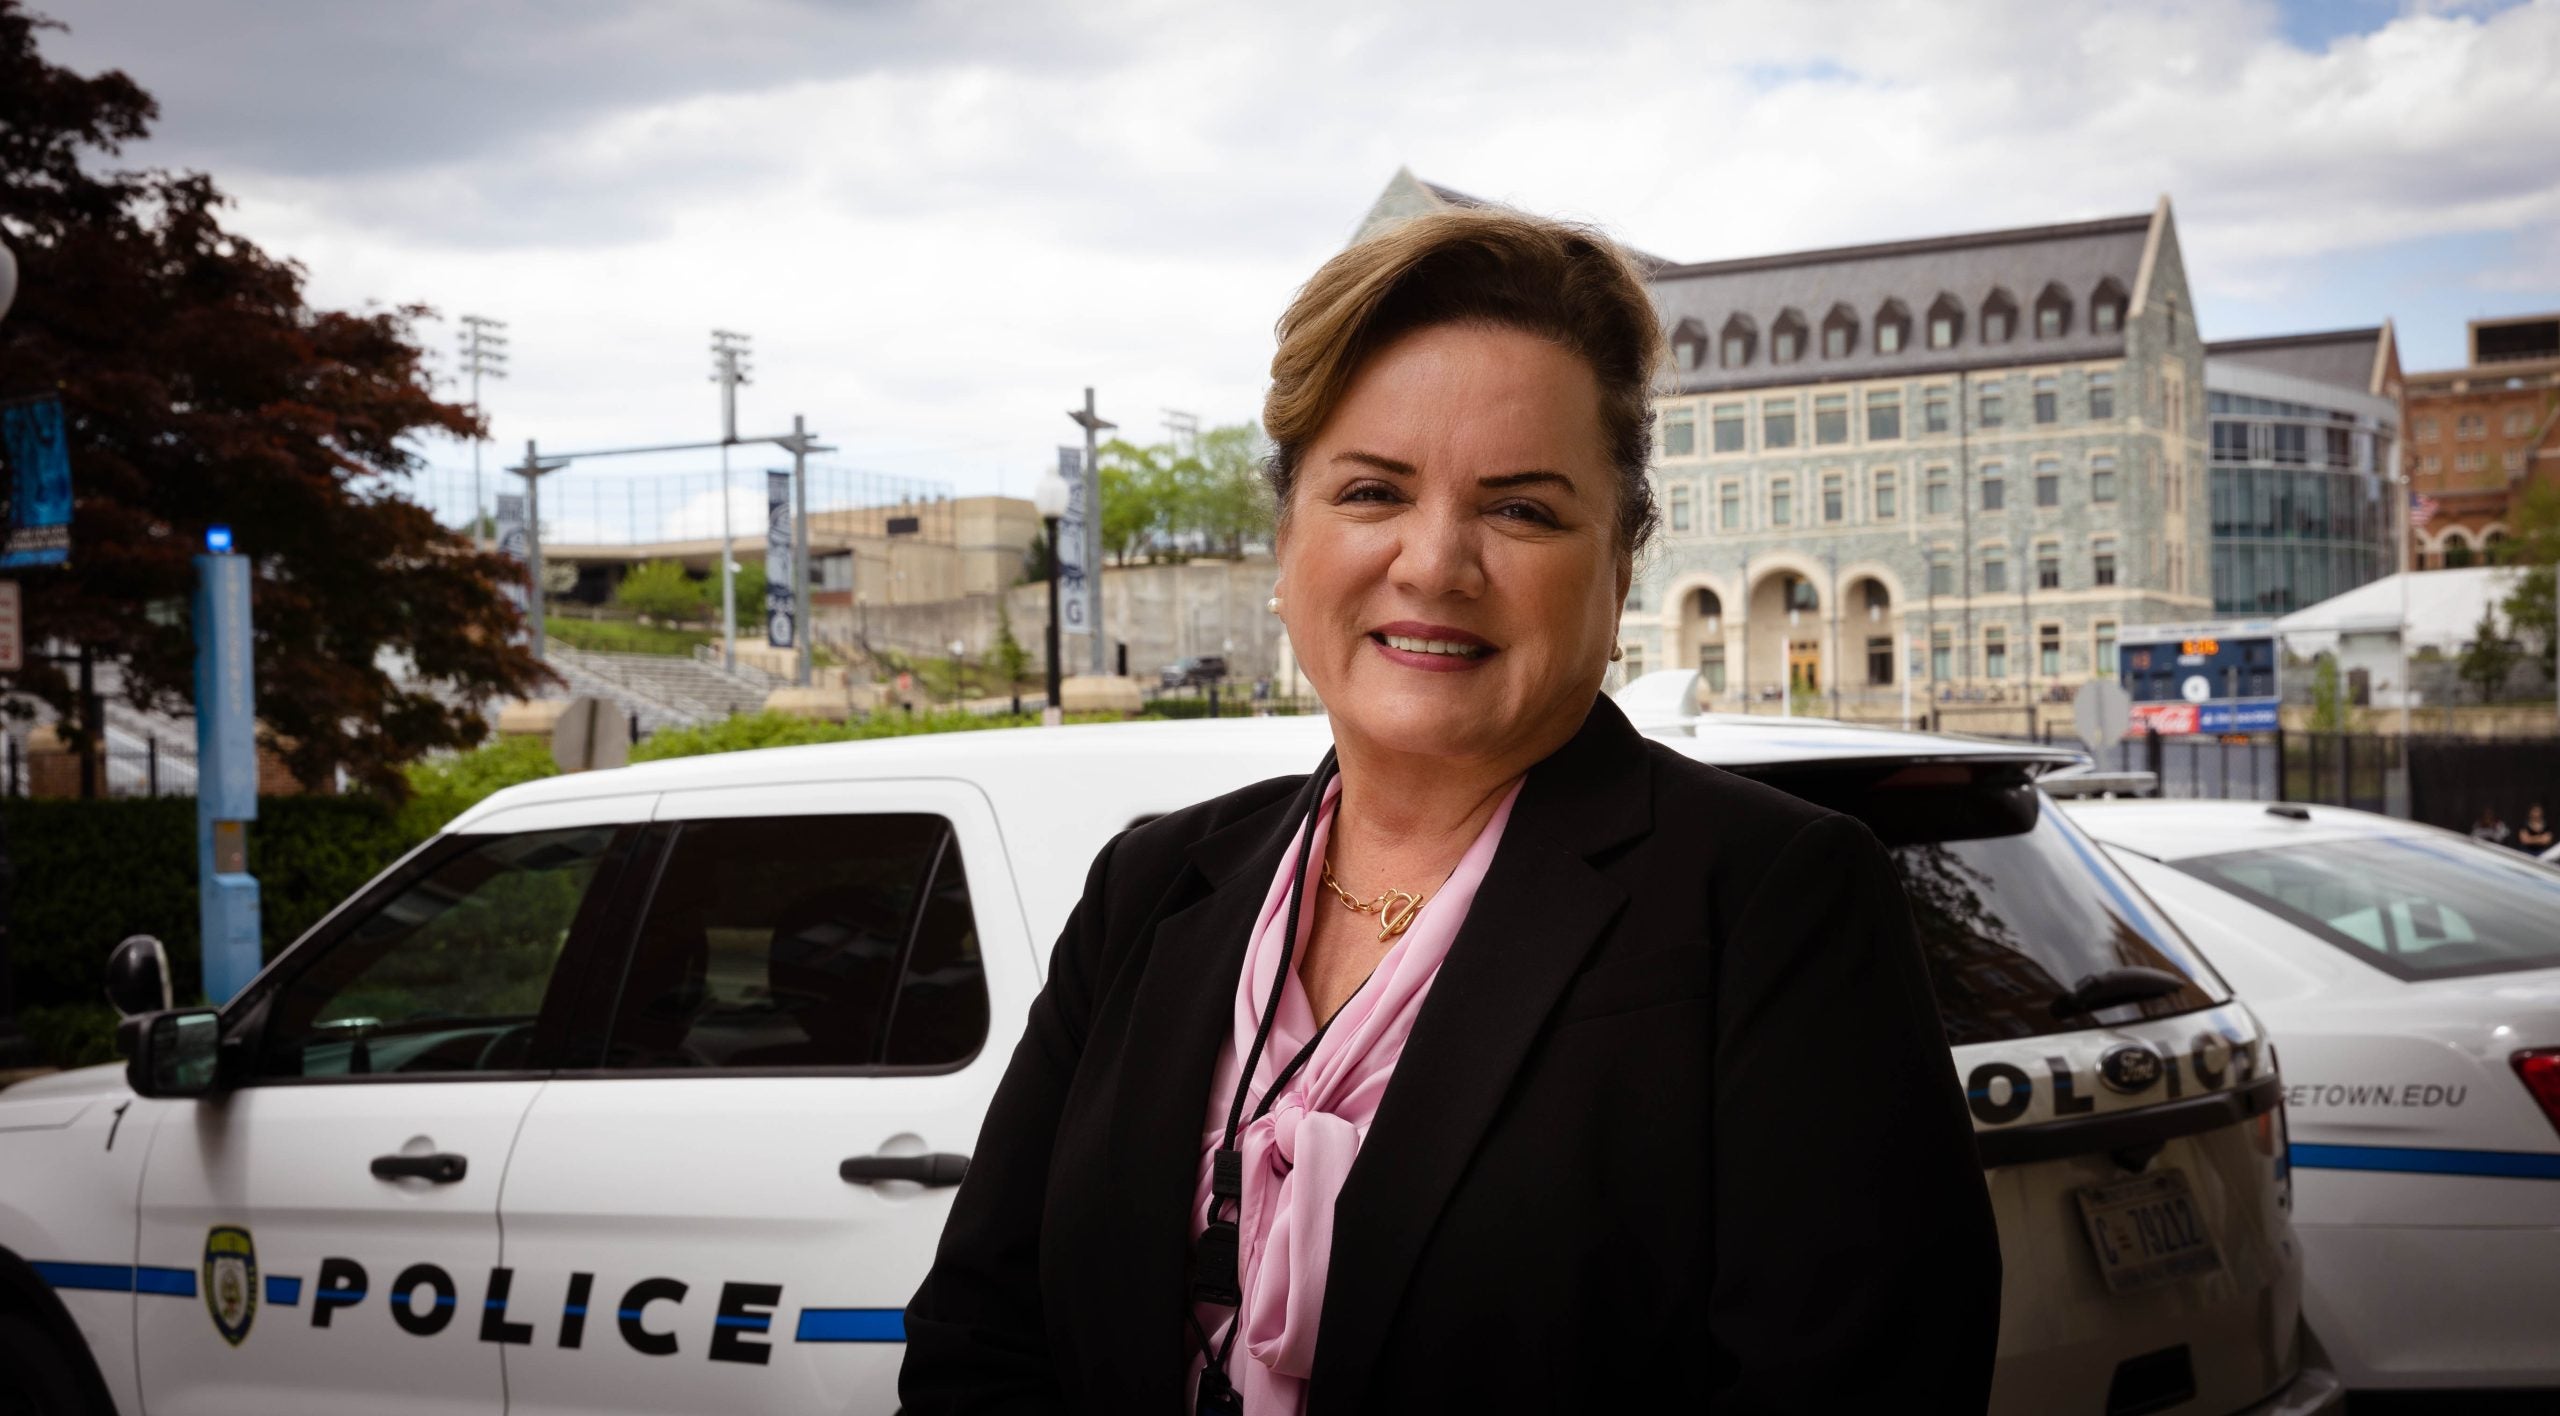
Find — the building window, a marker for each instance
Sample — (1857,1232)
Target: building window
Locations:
(1835,497)
(1995,489)
(1879,660)
(2292,443)
(1839,333)
(2048,399)
(2471,425)
(1786,338)
(1729,506)
(1946,322)
(1999,317)
(1942,574)
(2053,313)
(1885,510)
(2048,568)
(2430,464)
(2518,422)
(2102,478)
(2511,460)
(1995,652)
(1680,432)
(1941,655)
(1994,411)
(1738,335)
(1933,410)
(1831,418)
(1728,424)
(1777,423)
(1782,502)
(2426,430)
(1941,494)
(1680,510)
(2049,650)
(2102,564)
(2102,644)
(2470,461)
(2048,483)
(2105,318)
(2102,394)
(1893,327)
(1995,574)
(1884,415)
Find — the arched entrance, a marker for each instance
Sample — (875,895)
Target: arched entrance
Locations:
(1786,629)
(1867,631)
(1701,641)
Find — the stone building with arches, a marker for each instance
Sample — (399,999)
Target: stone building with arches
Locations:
(1963,462)
(2482,436)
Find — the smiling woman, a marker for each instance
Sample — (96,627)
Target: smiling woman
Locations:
(1468,1072)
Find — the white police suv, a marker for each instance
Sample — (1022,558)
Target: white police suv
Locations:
(642,1091)
(2412,977)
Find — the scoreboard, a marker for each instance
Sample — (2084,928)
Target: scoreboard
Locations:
(2208,678)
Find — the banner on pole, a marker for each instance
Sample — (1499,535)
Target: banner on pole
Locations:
(515,542)
(35,484)
(781,604)
(1075,611)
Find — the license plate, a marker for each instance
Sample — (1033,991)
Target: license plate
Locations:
(2147,1231)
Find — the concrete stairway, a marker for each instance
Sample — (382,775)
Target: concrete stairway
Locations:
(662,689)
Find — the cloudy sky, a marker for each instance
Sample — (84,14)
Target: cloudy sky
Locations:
(941,220)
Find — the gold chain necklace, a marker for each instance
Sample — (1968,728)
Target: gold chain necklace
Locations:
(1395,909)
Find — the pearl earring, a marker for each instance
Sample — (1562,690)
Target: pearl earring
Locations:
(1273,604)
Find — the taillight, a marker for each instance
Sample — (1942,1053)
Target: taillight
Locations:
(2540,1069)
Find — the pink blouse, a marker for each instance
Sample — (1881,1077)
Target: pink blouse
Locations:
(1297,1157)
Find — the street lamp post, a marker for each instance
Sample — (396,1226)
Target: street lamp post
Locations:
(1094,425)
(1049,499)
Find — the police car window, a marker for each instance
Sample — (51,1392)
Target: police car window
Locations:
(2013,905)
(805,942)
(2412,907)
(449,973)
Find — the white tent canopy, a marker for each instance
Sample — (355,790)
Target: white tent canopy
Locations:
(2440,607)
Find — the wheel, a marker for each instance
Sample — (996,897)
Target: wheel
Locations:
(44,1380)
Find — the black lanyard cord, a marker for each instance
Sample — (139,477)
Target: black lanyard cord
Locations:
(1280,976)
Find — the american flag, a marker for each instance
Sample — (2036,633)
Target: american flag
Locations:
(2422,509)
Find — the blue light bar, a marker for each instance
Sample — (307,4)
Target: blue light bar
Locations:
(217,540)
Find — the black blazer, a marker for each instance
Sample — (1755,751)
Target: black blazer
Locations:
(1677,1122)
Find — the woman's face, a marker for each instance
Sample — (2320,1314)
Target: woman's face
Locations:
(1449,569)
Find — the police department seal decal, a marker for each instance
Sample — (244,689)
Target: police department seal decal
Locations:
(230,1281)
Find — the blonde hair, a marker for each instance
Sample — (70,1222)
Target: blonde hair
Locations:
(1551,279)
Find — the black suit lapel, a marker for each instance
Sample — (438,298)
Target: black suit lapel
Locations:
(1541,908)
(1181,1013)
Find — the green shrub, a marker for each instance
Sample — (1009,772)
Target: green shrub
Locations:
(662,589)
(70,1034)
(748,731)
(615,636)
(442,788)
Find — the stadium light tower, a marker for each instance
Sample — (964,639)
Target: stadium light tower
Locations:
(484,355)
(729,354)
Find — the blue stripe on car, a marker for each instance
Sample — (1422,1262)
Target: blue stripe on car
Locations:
(2413,1160)
(284,1292)
(852,1325)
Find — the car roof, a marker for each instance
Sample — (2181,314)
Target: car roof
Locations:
(2186,830)
(1174,760)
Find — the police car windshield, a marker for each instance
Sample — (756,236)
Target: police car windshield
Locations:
(2414,907)
(2013,905)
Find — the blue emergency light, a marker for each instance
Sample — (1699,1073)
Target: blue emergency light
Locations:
(217,540)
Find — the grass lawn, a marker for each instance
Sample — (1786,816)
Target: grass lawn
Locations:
(625,636)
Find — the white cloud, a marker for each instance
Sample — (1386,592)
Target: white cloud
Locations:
(943,220)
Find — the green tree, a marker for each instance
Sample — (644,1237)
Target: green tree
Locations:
(2533,610)
(2328,696)
(1230,503)
(199,388)
(2488,658)
(1139,495)
(661,590)
(1011,659)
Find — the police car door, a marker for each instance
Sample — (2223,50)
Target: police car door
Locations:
(730,1209)
(326,1230)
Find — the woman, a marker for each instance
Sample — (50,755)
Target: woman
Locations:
(2535,837)
(1507,1062)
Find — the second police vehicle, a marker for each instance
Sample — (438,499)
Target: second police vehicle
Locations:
(643,1090)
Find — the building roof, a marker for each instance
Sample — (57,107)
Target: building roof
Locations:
(2441,607)
(1407,196)
(2360,359)
(2077,257)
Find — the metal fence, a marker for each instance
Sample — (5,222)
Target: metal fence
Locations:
(116,770)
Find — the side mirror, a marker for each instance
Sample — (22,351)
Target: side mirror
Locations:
(138,977)
(175,1053)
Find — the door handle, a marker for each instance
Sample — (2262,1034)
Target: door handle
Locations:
(938,1169)
(442,1168)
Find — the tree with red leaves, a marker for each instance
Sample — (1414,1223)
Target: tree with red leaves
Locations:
(199,389)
